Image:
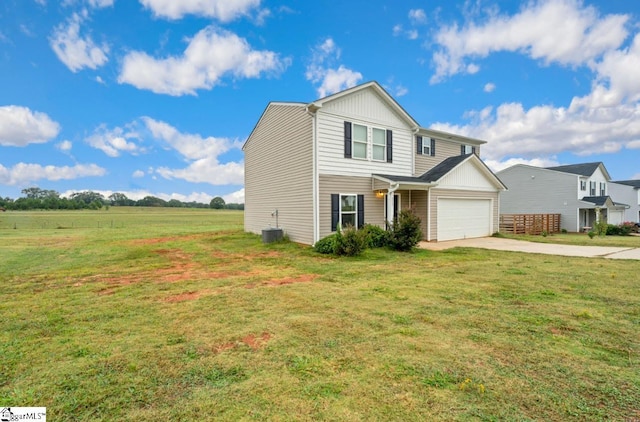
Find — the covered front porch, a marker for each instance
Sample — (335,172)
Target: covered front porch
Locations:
(599,208)
(457,199)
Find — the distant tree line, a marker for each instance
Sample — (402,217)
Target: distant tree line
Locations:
(43,199)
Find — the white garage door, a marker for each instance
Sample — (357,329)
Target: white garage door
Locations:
(463,218)
(615,217)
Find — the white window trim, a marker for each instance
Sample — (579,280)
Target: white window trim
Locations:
(593,188)
(603,189)
(354,212)
(426,146)
(384,155)
(468,149)
(583,185)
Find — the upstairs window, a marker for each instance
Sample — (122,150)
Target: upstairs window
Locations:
(379,150)
(467,149)
(583,185)
(359,141)
(592,188)
(425,146)
(603,189)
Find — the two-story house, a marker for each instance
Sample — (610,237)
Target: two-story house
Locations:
(578,192)
(628,192)
(358,157)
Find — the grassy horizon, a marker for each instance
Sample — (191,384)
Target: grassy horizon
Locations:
(178,314)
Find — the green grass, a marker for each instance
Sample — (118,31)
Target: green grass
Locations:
(178,315)
(580,239)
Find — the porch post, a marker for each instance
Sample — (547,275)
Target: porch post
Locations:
(390,208)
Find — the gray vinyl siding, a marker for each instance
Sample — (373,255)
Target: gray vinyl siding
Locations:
(444,150)
(451,193)
(279,173)
(629,195)
(373,207)
(534,190)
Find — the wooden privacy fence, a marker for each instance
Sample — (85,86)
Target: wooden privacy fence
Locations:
(529,223)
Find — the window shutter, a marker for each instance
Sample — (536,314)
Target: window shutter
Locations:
(433,147)
(347,139)
(335,211)
(360,211)
(461,149)
(389,146)
(473,150)
(419,144)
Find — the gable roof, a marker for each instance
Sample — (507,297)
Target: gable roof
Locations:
(431,177)
(388,99)
(634,183)
(584,169)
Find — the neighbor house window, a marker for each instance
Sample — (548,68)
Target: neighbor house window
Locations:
(603,189)
(592,188)
(379,138)
(583,185)
(359,141)
(467,149)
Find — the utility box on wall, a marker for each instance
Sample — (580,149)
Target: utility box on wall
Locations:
(271,235)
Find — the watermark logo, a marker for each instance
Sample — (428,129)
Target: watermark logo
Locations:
(11,414)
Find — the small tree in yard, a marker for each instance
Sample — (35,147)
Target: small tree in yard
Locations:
(405,233)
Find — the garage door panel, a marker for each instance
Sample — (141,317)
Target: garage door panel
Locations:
(463,218)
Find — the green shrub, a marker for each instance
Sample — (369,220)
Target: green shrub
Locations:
(591,234)
(626,228)
(405,233)
(350,241)
(613,230)
(377,237)
(563,231)
(326,245)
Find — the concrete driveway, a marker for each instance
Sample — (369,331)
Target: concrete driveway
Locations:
(532,247)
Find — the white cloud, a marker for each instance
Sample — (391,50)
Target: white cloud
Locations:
(222,10)
(236,197)
(320,72)
(100,80)
(95,4)
(75,51)
(397,30)
(64,146)
(19,126)
(23,173)
(202,153)
(417,16)
(115,141)
(553,31)
(210,55)
(138,174)
(605,120)
(489,87)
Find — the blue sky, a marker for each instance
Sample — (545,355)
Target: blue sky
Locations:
(156,97)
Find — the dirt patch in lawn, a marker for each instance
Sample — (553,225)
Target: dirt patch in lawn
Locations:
(305,278)
(181,267)
(187,296)
(254,341)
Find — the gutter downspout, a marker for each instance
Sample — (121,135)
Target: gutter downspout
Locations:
(315,182)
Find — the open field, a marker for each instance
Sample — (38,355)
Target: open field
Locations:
(175,314)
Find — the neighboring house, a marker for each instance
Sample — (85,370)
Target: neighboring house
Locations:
(358,157)
(628,191)
(577,192)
